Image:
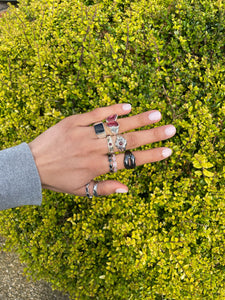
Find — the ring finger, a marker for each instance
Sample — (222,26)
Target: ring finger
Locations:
(141,158)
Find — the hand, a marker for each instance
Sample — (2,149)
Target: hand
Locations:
(69,155)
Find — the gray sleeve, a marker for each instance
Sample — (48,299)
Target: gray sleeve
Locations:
(19,179)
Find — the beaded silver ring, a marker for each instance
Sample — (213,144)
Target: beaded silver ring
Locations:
(112,163)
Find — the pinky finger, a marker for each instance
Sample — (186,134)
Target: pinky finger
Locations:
(103,188)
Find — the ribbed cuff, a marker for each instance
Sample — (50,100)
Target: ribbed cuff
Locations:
(19,179)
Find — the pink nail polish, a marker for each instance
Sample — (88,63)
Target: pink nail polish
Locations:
(120,191)
(170,131)
(154,116)
(126,107)
(166,152)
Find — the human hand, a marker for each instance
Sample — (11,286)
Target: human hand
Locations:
(69,155)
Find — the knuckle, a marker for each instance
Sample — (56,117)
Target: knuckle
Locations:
(141,120)
(157,134)
(132,140)
(96,113)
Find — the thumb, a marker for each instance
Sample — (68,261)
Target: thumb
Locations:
(103,188)
(108,187)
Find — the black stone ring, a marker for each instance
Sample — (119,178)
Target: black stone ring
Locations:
(129,160)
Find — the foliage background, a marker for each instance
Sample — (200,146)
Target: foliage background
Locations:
(165,240)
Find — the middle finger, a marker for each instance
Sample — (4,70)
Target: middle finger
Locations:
(139,138)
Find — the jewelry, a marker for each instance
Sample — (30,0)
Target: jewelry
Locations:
(112,163)
(110,144)
(87,191)
(113,124)
(95,189)
(100,130)
(121,143)
(129,160)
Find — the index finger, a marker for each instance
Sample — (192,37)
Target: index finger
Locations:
(101,113)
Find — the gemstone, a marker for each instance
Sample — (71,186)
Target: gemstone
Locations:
(111,118)
(99,128)
(121,143)
(112,124)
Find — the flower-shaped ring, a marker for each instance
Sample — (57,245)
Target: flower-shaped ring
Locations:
(121,143)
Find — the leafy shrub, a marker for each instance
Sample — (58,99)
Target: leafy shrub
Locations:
(165,240)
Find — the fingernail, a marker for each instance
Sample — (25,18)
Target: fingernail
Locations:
(120,191)
(170,131)
(126,107)
(154,116)
(166,152)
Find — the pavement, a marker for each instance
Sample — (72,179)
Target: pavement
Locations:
(3,6)
(13,284)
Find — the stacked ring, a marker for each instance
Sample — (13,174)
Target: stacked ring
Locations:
(129,160)
(112,163)
(95,187)
(87,191)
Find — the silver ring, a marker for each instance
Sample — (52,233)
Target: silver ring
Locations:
(112,124)
(110,144)
(121,143)
(100,130)
(95,193)
(87,191)
(112,163)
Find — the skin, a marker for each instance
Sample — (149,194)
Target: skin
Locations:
(69,155)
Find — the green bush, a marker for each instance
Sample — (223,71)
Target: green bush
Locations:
(165,240)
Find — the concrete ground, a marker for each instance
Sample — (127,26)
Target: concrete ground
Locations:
(13,285)
(3,6)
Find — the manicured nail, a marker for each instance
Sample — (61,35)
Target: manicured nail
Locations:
(120,191)
(154,116)
(126,107)
(166,152)
(170,131)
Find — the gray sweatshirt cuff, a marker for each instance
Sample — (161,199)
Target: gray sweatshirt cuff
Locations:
(19,179)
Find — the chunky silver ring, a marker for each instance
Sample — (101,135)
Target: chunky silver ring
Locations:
(121,143)
(95,193)
(100,130)
(110,144)
(87,191)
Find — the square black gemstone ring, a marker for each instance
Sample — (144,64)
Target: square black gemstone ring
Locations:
(100,130)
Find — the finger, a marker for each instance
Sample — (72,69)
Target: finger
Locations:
(140,120)
(146,156)
(139,138)
(102,113)
(104,188)
(141,157)
(133,122)
(144,137)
